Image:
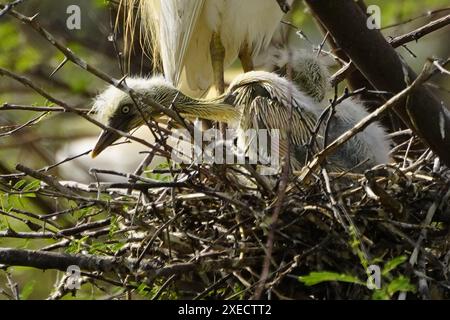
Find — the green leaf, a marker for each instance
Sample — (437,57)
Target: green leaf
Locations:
(29,58)
(18,185)
(32,186)
(5,203)
(380,295)
(27,290)
(144,290)
(116,246)
(401,283)
(392,264)
(15,201)
(29,195)
(317,277)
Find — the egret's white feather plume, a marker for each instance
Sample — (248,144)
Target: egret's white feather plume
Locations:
(107,103)
(171,26)
(179,32)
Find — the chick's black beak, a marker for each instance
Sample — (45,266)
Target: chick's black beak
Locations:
(108,137)
(105,139)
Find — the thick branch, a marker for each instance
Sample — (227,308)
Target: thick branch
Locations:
(59,261)
(92,263)
(382,66)
(420,32)
(396,42)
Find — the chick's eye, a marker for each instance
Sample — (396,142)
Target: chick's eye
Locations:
(125,109)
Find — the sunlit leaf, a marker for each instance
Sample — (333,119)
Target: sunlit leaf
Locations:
(317,277)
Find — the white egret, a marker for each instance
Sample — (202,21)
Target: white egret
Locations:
(197,39)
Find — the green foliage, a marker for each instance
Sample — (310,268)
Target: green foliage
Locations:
(318,277)
(114,225)
(398,11)
(25,189)
(398,284)
(393,264)
(27,290)
(239,291)
(163,177)
(144,290)
(101,4)
(101,248)
(149,292)
(77,245)
(394,285)
(389,285)
(13,52)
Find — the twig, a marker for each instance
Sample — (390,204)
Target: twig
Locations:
(420,32)
(361,125)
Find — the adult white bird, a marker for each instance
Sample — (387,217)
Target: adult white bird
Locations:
(197,39)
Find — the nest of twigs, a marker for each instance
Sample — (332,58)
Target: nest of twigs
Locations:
(211,238)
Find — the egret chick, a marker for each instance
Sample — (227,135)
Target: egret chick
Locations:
(257,100)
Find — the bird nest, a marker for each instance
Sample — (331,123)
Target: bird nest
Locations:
(212,237)
(382,234)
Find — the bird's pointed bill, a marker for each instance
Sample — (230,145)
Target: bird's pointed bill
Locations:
(105,139)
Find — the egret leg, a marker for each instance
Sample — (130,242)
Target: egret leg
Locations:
(217,57)
(245,55)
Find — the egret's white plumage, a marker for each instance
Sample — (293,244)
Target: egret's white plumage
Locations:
(168,26)
(107,102)
(309,71)
(181,32)
(262,100)
(372,141)
(269,109)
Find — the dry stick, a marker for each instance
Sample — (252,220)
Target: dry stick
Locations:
(156,234)
(260,180)
(279,201)
(60,261)
(360,126)
(420,32)
(30,224)
(212,287)
(47,179)
(125,175)
(14,286)
(64,233)
(428,219)
(424,15)
(103,187)
(396,42)
(27,82)
(101,75)
(441,68)
(94,263)
(25,125)
(375,58)
(9,7)
(163,287)
(15,107)
(68,159)
(37,217)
